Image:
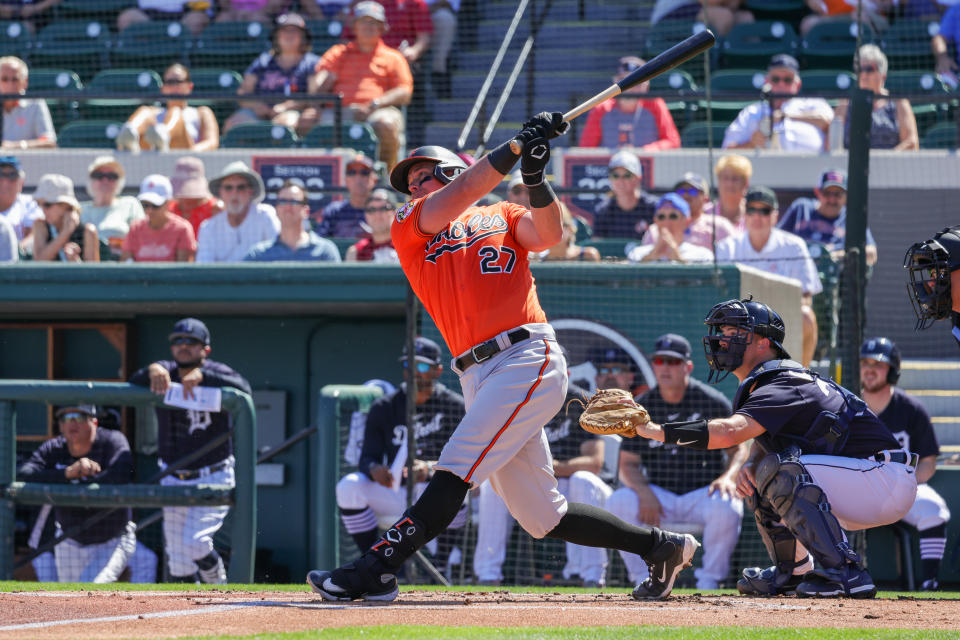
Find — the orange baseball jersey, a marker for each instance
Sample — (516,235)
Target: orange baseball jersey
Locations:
(473,277)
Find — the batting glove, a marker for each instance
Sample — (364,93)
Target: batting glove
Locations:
(552,124)
(534,159)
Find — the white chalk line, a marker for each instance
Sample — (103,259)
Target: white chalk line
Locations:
(136,616)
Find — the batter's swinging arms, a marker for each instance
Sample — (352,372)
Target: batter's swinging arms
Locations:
(468,265)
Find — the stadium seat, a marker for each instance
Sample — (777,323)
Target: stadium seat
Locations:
(230,44)
(221,81)
(105,10)
(667,33)
(815,83)
(151,45)
(84,44)
(787,10)
(752,44)
(16,40)
(940,136)
(258,135)
(324,34)
(119,81)
(58,81)
(916,84)
(695,134)
(739,80)
(683,111)
(95,134)
(907,44)
(353,135)
(831,45)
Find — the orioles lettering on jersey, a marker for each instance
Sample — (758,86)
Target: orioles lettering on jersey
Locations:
(458,236)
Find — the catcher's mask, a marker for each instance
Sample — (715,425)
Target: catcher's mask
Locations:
(448,166)
(883,350)
(929,265)
(725,352)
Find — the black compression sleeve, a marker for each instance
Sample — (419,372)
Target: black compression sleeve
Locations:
(693,434)
(502,158)
(541,195)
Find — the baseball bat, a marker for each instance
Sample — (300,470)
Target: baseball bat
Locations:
(672,57)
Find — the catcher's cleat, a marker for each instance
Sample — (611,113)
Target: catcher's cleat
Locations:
(664,562)
(359,580)
(767,582)
(850,581)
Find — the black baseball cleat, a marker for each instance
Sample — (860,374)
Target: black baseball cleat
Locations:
(664,562)
(755,581)
(359,580)
(848,582)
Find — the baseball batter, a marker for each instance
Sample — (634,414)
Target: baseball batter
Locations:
(911,426)
(933,267)
(469,267)
(822,461)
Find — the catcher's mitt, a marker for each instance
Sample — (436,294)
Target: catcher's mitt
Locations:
(613,411)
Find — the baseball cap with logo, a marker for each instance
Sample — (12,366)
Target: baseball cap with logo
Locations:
(762,194)
(833,178)
(155,189)
(610,354)
(785,61)
(361,160)
(424,349)
(694,180)
(672,346)
(191,328)
(626,160)
(369,9)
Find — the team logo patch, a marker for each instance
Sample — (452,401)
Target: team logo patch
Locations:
(404,211)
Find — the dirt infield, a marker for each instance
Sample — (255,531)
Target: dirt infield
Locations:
(78,615)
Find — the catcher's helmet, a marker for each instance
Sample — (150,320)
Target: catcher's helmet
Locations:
(883,350)
(725,352)
(929,265)
(449,166)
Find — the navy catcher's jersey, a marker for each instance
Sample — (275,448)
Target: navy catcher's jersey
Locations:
(112,452)
(788,402)
(910,424)
(563,431)
(183,431)
(387,426)
(680,469)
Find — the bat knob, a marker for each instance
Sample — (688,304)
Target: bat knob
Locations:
(516,146)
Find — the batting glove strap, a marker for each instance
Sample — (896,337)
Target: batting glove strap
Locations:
(541,195)
(502,158)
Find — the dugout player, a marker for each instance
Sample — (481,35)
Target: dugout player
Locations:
(370,495)
(469,266)
(934,279)
(821,460)
(84,454)
(911,426)
(667,483)
(188,531)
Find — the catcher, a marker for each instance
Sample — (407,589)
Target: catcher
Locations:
(821,461)
(934,279)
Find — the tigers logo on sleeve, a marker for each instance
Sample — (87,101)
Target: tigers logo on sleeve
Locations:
(404,211)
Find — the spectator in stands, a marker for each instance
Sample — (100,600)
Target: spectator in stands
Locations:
(627,211)
(630,120)
(824,219)
(567,249)
(373,78)
(245,221)
(443,15)
(250,10)
(192,198)
(283,70)
(517,192)
(111,213)
(84,454)
(32,14)
(672,218)
(733,179)
(193,15)
(874,13)
(17,208)
(26,123)
(664,483)
(60,235)
(174,126)
(720,15)
(343,218)
(294,243)
(338,10)
(378,215)
(765,247)
(790,124)
(162,236)
(9,247)
(893,125)
(704,229)
(949,32)
(615,370)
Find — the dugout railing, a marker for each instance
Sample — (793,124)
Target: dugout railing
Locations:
(242,498)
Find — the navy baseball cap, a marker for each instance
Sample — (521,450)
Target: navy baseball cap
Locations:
(762,194)
(610,354)
(88,409)
(672,346)
(833,178)
(784,60)
(191,328)
(425,350)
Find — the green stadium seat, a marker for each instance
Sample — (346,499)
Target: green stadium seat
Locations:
(105,10)
(92,134)
(358,136)
(740,80)
(324,34)
(221,81)
(753,44)
(683,111)
(16,40)
(119,81)
(815,82)
(151,45)
(230,44)
(695,134)
(787,10)
(259,134)
(916,84)
(58,81)
(831,45)
(907,44)
(667,33)
(940,136)
(85,44)
(826,303)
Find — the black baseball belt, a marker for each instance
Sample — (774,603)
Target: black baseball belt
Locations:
(191,474)
(486,350)
(903,457)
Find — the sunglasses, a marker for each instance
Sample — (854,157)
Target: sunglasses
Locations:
(235,187)
(378,209)
(291,202)
(9,175)
(105,175)
(186,340)
(73,416)
(175,81)
(9,78)
(782,79)
(869,68)
(688,191)
(670,362)
(616,175)
(764,211)
(422,367)
(359,172)
(673,215)
(612,371)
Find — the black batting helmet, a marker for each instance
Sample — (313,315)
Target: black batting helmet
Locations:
(883,350)
(449,166)
(725,352)
(929,265)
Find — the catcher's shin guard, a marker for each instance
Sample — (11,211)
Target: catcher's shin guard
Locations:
(781,546)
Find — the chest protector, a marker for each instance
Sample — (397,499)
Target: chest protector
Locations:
(829,431)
